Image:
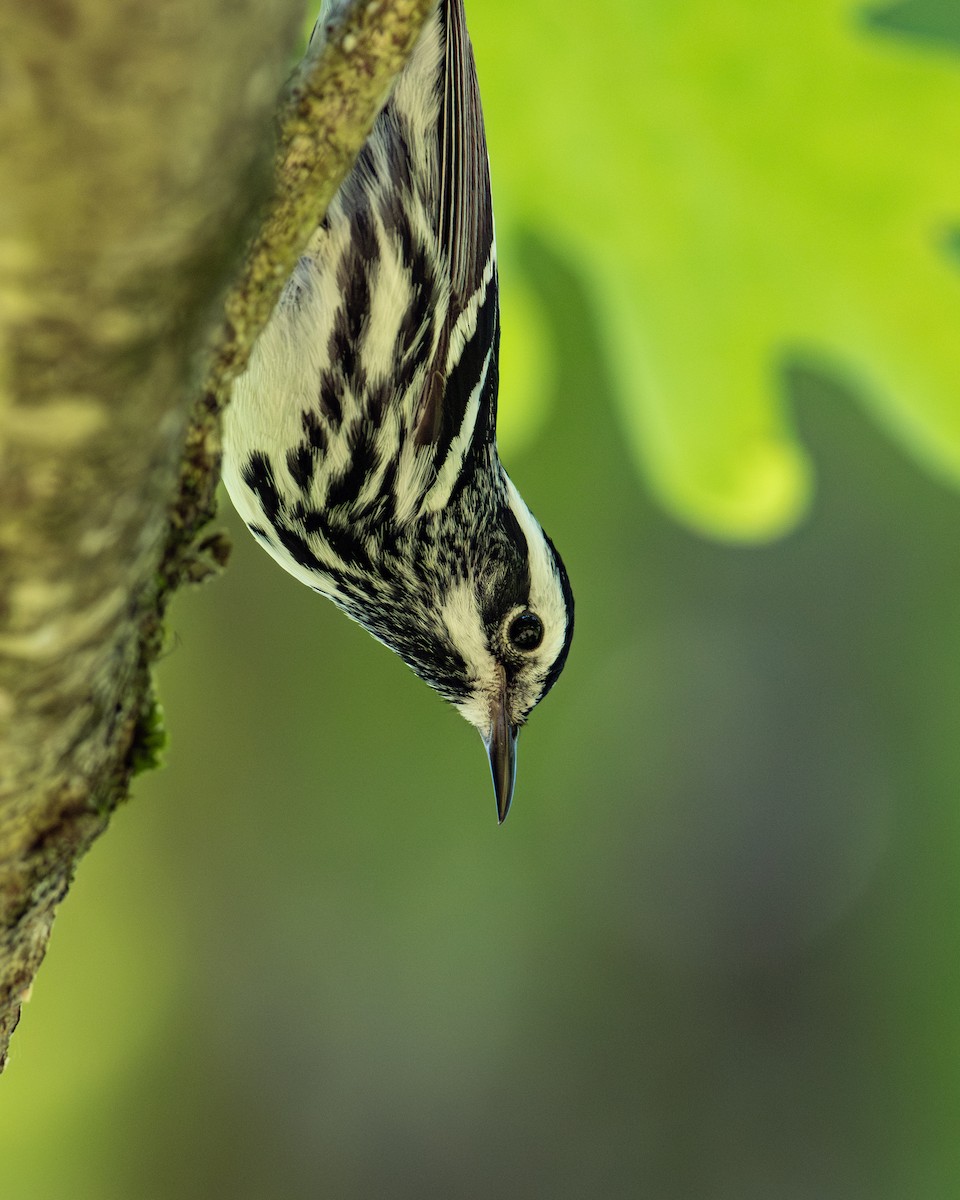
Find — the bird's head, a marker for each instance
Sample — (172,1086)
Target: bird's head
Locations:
(477,602)
(501,626)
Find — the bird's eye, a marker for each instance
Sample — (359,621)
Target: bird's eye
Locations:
(526,631)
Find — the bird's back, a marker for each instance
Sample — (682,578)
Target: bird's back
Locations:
(383,344)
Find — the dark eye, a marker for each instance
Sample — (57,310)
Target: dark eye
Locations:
(526,631)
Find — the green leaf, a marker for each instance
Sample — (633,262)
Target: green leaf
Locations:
(744,185)
(938,20)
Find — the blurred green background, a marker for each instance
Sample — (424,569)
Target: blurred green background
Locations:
(715,950)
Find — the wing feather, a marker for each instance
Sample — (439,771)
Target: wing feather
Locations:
(466,236)
(466,211)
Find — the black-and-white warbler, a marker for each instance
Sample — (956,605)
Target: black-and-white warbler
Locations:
(360,444)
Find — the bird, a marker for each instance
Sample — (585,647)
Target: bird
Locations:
(359,446)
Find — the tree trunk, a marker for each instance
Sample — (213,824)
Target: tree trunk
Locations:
(135,145)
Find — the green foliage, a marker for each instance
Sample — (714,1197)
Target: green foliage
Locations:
(744,185)
(713,952)
(938,20)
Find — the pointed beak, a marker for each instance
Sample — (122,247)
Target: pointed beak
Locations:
(502,748)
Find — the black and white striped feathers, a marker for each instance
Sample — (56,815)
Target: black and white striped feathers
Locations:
(360,445)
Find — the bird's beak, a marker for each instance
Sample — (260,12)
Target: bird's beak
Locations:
(502,748)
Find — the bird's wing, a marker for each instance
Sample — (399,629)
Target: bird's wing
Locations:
(466,236)
(466,212)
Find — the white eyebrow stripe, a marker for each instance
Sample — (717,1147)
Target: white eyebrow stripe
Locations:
(546,597)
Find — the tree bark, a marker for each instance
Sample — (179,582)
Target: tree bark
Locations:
(135,145)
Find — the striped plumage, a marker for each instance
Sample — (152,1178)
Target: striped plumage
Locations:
(360,444)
